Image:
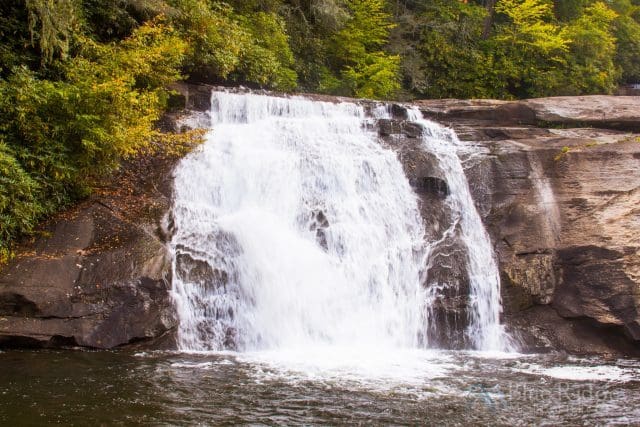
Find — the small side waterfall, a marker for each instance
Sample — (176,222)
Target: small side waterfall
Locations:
(294,227)
(485,331)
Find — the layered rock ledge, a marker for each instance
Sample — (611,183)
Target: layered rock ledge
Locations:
(597,111)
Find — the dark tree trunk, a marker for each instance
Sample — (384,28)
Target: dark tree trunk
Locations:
(488,21)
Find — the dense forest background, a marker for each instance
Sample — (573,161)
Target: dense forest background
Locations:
(82,82)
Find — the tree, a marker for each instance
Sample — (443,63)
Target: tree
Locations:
(454,62)
(268,59)
(311,25)
(364,68)
(215,38)
(57,136)
(529,49)
(490,5)
(627,34)
(51,23)
(590,66)
(567,10)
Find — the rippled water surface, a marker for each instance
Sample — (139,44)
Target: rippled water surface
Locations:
(330,387)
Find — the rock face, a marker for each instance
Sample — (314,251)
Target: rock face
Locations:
(598,111)
(563,209)
(100,275)
(570,238)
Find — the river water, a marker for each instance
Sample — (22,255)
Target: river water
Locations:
(423,387)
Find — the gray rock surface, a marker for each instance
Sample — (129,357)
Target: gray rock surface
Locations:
(99,276)
(599,111)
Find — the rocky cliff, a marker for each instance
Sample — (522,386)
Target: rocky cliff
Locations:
(562,204)
(557,182)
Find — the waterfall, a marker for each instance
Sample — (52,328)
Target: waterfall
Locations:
(485,331)
(294,227)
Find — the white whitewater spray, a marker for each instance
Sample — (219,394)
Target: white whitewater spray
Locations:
(485,330)
(294,228)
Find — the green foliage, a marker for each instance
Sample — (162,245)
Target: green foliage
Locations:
(567,10)
(268,60)
(530,27)
(627,34)
(375,75)
(116,19)
(311,26)
(591,67)
(250,48)
(365,69)
(529,49)
(562,154)
(535,47)
(51,23)
(15,38)
(19,204)
(60,135)
(116,93)
(446,59)
(216,40)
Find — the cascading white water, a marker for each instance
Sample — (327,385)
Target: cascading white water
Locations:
(294,227)
(485,330)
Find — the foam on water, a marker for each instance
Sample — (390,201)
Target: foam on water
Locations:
(365,366)
(586,373)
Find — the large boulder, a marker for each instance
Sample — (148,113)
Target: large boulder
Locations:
(100,274)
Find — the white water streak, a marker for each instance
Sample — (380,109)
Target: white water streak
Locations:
(485,330)
(295,228)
